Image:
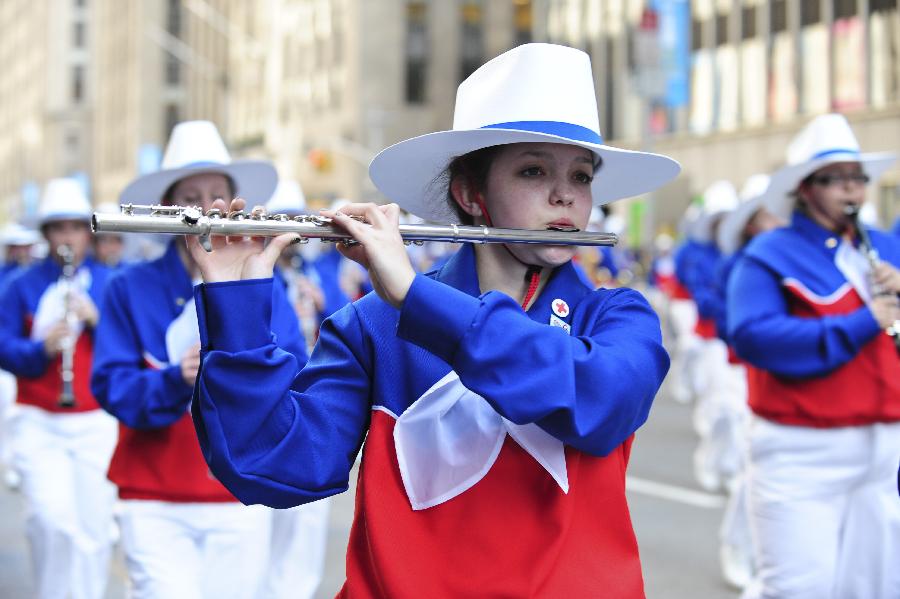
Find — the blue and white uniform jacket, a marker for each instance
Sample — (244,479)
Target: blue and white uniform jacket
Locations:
(39,379)
(799,318)
(137,381)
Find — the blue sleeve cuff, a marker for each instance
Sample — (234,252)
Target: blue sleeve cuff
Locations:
(234,315)
(436,316)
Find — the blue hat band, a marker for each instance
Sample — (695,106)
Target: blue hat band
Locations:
(203,163)
(825,153)
(557,128)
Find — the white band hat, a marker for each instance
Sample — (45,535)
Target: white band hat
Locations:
(287,199)
(825,140)
(18,234)
(753,197)
(63,199)
(194,148)
(719,197)
(532,93)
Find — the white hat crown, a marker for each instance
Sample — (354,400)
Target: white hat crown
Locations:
(754,186)
(18,234)
(63,199)
(532,87)
(195,143)
(287,199)
(719,197)
(826,136)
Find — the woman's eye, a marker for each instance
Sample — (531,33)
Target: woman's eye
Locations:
(584,178)
(532,171)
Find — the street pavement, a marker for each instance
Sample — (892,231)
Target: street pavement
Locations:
(676,523)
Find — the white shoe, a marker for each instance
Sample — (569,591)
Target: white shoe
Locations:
(12,479)
(737,566)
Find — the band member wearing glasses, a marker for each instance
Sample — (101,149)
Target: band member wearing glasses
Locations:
(61,441)
(183,533)
(824,379)
(497,396)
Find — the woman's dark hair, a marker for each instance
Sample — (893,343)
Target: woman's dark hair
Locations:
(473,168)
(170,191)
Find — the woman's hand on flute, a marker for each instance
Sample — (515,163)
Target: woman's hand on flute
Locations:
(380,249)
(236,258)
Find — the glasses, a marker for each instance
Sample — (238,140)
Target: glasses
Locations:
(839,178)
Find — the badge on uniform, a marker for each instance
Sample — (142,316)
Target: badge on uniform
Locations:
(558,322)
(560,310)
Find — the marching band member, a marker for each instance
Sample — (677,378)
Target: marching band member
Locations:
(824,380)
(108,247)
(751,218)
(18,244)
(497,396)
(48,312)
(299,534)
(697,271)
(182,532)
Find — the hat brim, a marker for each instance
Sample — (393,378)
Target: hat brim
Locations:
(728,236)
(254,180)
(410,172)
(786,180)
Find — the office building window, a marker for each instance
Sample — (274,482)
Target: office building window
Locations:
(77,83)
(778,16)
(471,38)
(172,117)
(522,21)
(748,22)
(697,29)
(416,52)
(882,5)
(173,18)
(78,34)
(721,30)
(844,9)
(810,12)
(173,70)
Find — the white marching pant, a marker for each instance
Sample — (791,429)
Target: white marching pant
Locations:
(193,550)
(683,319)
(720,416)
(825,516)
(7,407)
(296,551)
(63,459)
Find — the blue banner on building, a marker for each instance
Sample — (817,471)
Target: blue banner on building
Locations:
(675,49)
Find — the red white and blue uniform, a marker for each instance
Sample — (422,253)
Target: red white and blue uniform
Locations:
(277,437)
(157,464)
(824,385)
(61,453)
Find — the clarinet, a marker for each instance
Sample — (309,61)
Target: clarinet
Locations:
(871,254)
(67,345)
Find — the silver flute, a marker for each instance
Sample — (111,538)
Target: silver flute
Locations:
(180,220)
(67,344)
(852,211)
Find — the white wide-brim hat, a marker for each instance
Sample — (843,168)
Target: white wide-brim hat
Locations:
(194,148)
(720,197)
(18,234)
(63,199)
(753,198)
(532,93)
(287,199)
(825,140)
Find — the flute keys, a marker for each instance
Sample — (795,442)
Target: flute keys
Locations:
(191,216)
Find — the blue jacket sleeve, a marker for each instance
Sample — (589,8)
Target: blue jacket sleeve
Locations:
(139,396)
(765,334)
(18,353)
(591,391)
(270,435)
